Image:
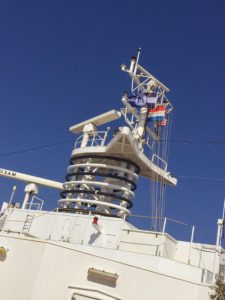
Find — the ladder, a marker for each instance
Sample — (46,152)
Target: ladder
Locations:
(27,223)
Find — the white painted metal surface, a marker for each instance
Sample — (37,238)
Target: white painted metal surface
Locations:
(59,249)
(31,179)
(86,248)
(97,121)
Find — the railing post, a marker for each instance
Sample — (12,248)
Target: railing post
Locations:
(191,242)
(104,138)
(164,225)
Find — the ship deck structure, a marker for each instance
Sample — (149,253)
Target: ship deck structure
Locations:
(86,248)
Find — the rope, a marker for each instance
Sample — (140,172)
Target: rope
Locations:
(158,188)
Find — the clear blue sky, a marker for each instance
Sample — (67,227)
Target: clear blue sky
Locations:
(60,64)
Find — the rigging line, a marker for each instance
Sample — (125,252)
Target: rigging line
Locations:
(189,200)
(201,178)
(169,219)
(157,199)
(153,196)
(167,149)
(166,156)
(71,141)
(196,209)
(35,148)
(164,152)
(161,154)
(170,119)
(209,142)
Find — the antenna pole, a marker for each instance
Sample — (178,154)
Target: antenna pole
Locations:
(137,60)
(11,198)
(223,209)
(133,67)
(220,224)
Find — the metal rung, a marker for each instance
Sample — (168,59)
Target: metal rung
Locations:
(27,223)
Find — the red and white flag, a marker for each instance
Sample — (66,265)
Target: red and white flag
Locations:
(162,123)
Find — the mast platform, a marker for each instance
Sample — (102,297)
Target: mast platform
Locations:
(124,146)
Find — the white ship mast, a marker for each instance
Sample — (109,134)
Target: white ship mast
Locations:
(151,127)
(102,177)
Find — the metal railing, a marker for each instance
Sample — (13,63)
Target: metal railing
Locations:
(97,138)
(165,223)
(161,163)
(35,205)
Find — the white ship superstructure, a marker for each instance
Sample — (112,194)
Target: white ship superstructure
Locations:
(86,248)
